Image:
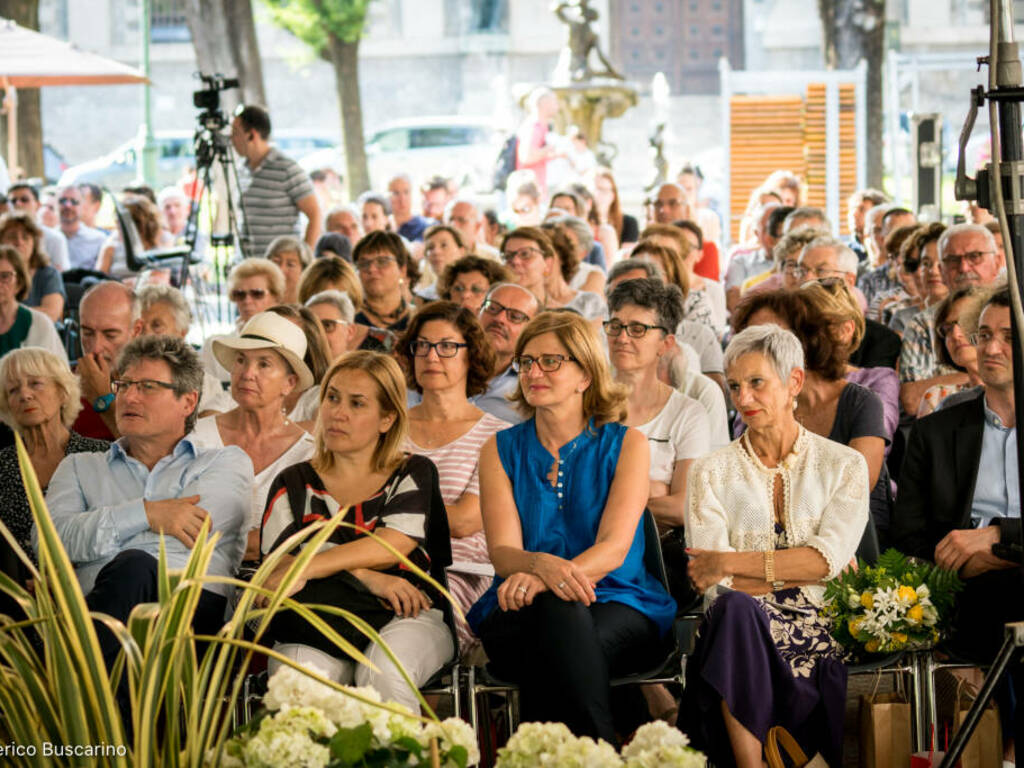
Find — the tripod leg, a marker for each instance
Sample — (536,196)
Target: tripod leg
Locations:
(995,674)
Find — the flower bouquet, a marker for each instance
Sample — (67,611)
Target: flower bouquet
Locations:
(655,745)
(306,724)
(899,604)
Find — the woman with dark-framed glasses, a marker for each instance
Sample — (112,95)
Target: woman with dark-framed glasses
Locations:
(562,496)
(447,359)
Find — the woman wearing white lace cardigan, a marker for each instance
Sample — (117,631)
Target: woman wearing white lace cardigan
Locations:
(768,519)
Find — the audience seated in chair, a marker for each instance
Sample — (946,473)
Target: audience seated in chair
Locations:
(504,314)
(959,496)
(768,518)
(112,509)
(21,326)
(573,603)
(359,467)
(46,287)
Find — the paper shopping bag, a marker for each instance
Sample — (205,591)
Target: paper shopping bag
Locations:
(884,731)
(985,749)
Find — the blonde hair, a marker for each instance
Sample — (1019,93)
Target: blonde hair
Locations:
(391,398)
(605,399)
(256,267)
(330,272)
(36,361)
(836,303)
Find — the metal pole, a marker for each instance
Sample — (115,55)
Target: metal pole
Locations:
(147,168)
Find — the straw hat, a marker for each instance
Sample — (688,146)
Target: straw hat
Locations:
(268,330)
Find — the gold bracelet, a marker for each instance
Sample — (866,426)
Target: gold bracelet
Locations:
(769,566)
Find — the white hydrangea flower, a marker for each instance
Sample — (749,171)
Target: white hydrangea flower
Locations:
(653,735)
(585,753)
(285,739)
(530,741)
(451,733)
(667,756)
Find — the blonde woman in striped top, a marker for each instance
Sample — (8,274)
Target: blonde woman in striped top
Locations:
(448,359)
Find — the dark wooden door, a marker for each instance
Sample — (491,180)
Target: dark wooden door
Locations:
(682,38)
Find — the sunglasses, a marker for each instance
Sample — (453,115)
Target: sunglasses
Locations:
(255,294)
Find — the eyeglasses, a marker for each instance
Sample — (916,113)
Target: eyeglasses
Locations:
(7,277)
(818,272)
(68,201)
(21,199)
(468,289)
(422,347)
(146,386)
(492,307)
(255,294)
(946,329)
(380,262)
(547,363)
(522,210)
(974,258)
(523,254)
(330,326)
(633,330)
(984,336)
(791,268)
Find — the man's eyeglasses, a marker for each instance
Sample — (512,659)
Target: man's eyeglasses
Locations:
(984,336)
(792,268)
(523,210)
(255,294)
(146,386)
(547,363)
(667,203)
(633,330)
(380,262)
(330,326)
(974,258)
(21,199)
(523,254)
(68,201)
(492,307)
(422,347)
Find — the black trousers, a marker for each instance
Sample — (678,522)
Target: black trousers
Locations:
(125,582)
(563,655)
(987,603)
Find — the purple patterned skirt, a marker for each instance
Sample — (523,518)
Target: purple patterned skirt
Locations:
(773,661)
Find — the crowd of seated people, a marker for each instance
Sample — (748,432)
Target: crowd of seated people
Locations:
(506,399)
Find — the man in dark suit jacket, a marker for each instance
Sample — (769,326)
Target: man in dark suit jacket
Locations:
(959,495)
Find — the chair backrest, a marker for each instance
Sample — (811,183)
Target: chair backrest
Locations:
(652,549)
(868,550)
(130,238)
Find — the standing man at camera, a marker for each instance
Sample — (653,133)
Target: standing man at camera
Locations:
(275,189)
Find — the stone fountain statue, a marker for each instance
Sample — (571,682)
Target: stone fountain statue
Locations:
(587,94)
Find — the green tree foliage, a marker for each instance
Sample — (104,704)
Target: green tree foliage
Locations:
(333,29)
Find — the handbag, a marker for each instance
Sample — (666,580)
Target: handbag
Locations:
(781,741)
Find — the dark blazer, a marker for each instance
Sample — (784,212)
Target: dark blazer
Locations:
(879,348)
(937,481)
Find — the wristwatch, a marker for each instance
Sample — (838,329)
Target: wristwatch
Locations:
(103,402)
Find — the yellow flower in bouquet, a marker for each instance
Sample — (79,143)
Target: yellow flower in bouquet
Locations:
(915,614)
(854,625)
(907,594)
(867,600)
(899,639)
(871,646)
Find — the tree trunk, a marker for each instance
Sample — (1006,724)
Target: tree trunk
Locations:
(210,23)
(345,58)
(853,30)
(30,122)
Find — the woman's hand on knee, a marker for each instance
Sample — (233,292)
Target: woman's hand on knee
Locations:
(518,591)
(564,578)
(404,598)
(705,568)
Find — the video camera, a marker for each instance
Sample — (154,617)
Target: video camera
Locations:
(208,99)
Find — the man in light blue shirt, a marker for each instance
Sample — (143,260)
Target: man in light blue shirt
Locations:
(111,508)
(505,312)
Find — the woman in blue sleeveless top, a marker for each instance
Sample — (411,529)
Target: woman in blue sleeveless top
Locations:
(562,496)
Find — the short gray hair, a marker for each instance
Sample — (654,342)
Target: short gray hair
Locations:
(620,268)
(580,228)
(795,241)
(666,301)
(290,244)
(186,368)
(461,200)
(157,293)
(517,286)
(846,259)
(964,229)
(337,299)
(781,347)
(803,213)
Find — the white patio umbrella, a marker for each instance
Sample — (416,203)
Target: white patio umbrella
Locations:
(30,59)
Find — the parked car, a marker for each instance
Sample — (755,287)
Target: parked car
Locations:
(119,168)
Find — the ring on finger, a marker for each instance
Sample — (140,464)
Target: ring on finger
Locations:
(521,588)
(560,585)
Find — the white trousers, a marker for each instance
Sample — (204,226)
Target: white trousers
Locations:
(422,645)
